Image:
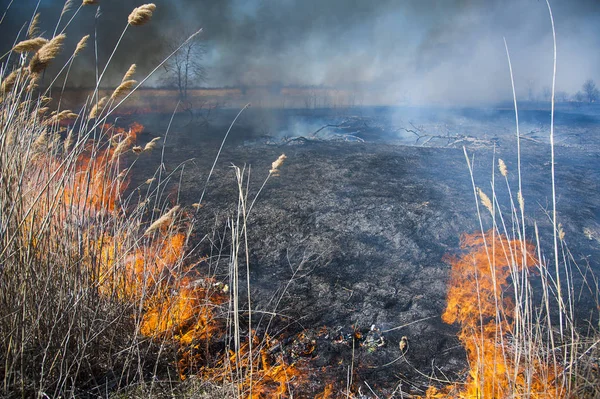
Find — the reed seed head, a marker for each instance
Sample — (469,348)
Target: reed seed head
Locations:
(123,89)
(163,221)
(151,145)
(30,45)
(46,54)
(90,2)
(34,30)
(98,107)
(521,201)
(81,45)
(129,74)
(67,7)
(276,164)
(485,200)
(502,167)
(68,141)
(141,15)
(137,149)
(123,146)
(9,81)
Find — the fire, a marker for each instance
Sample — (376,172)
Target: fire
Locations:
(479,300)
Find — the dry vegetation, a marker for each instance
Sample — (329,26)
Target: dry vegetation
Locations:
(99,293)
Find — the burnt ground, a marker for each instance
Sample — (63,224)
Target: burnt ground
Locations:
(353,235)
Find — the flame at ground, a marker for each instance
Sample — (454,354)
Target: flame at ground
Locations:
(479,300)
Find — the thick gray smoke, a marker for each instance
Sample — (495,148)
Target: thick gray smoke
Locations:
(422,51)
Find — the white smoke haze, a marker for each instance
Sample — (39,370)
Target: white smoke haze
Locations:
(415,51)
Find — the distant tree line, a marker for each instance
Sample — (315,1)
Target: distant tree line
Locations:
(589,93)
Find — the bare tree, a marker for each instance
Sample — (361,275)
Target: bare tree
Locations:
(185,69)
(590,91)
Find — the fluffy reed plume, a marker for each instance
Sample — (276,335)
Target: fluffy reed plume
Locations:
(47,53)
(521,201)
(42,111)
(151,145)
(163,221)
(561,232)
(123,89)
(59,116)
(485,200)
(275,165)
(34,30)
(67,7)
(41,142)
(137,150)
(141,15)
(10,80)
(98,107)
(150,180)
(123,146)
(90,2)
(129,74)
(30,45)
(502,167)
(81,45)
(69,140)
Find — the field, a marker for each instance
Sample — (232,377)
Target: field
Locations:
(185,243)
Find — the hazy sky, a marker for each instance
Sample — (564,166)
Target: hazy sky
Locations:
(444,51)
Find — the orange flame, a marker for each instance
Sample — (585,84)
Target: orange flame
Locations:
(479,301)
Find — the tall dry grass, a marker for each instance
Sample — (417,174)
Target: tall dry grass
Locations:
(80,256)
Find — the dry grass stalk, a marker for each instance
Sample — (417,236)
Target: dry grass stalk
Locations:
(276,164)
(90,2)
(151,145)
(163,221)
(141,15)
(150,180)
(123,89)
(81,45)
(30,45)
(98,107)
(502,167)
(485,200)
(34,30)
(129,74)
(46,54)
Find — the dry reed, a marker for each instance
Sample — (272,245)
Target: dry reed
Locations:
(129,74)
(276,165)
(485,200)
(502,168)
(46,54)
(123,89)
(81,45)
(33,29)
(163,221)
(151,145)
(30,45)
(141,15)
(98,107)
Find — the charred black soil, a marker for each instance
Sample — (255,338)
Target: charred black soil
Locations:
(348,244)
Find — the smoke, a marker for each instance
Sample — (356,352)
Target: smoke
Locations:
(421,51)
